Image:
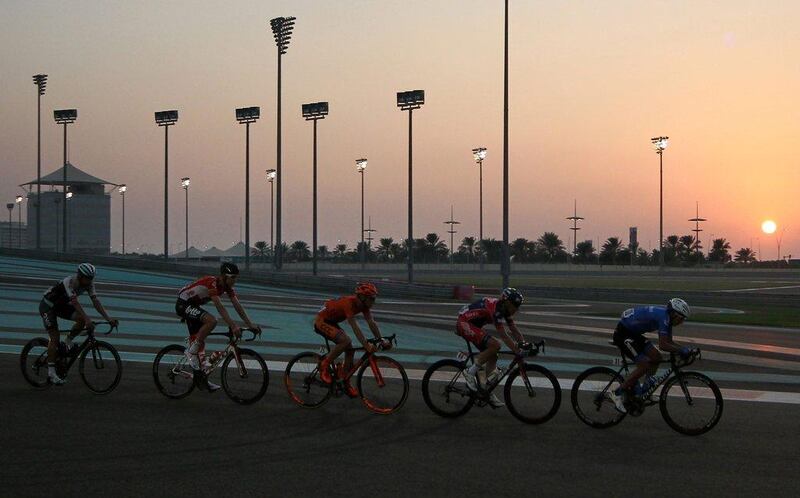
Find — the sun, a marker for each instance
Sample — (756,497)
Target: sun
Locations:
(769,226)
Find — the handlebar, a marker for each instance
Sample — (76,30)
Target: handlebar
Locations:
(532,349)
(110,328)
(255,333)
(694,355)
(391,338)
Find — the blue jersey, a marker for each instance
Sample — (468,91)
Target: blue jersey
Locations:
(637,321)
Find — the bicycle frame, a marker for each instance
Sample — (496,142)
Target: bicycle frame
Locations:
(673,369)
(231,347)
(367,356)
(518,362)
(87,343)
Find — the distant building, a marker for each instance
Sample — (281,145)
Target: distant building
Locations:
(88,212)
(15,238)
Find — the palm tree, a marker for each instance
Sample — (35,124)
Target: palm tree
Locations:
(686,245)
(745,255)
(261,250)
(719,251)
(585,252)
(519,250)
(299,251)
(551,245)
(434,246)
(611,250)
(468,247)
(323,252)
(340,251)
(384,250)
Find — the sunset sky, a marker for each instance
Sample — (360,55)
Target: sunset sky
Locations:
(590,83)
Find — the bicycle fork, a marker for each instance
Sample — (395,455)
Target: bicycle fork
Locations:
(376,372)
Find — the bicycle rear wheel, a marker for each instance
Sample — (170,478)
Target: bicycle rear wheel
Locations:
(533,394)
(383,384)
(103,370)
(589,397)
(172,373)
(245,376)
(33,362)
(691,403)
(444,389)
(303,383)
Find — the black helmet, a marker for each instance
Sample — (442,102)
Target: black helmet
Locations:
(513,295)
(228,269)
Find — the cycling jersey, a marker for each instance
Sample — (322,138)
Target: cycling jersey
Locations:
(483,312)
(637,321)
(67,292)
(201,291)
(339,310)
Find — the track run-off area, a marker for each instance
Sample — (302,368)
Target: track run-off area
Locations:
(134,440)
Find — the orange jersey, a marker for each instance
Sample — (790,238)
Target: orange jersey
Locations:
(339,310)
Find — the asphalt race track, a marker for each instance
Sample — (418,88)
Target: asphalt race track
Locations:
(68,442)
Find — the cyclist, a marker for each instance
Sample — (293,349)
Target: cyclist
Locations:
(471,320)
(327,323)
(200,322)
(61,301)
(629,338)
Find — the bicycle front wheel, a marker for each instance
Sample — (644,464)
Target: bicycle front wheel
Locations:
(533,394)
(691,403)
(589,399)
(303,383)
(172,373)
(383,384)
(33,362)
(100,367)
(245,376)
(444,389)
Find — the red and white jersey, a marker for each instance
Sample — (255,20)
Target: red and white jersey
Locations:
(483,312)
(202,290)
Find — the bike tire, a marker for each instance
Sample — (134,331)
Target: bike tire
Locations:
(302,381)
(587,398)
(97,363)
(705,388)
(545,407)
(385,391)
(35,374)
(436,386)
(228,375)
(174,369)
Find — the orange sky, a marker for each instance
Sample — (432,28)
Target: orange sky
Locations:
(591,82)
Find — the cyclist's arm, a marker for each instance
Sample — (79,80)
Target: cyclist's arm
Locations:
(81,312)
(665,343)
(223,312)
(357,331)
(242,313)
(515,331)
(100,309)
(504,335)
(373,327)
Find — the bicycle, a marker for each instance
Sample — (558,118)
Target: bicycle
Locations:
(382,382)
(244,373)
(695,394)
(532,392)
(101,374)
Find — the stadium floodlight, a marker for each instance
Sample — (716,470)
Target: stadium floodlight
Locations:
(408,101)
(40,80)
(314,112)
(660,143)
(166,119)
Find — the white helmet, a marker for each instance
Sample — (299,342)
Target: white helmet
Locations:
(679,306)
(86,270)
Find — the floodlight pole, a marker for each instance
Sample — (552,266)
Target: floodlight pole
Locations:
(40,80)
(505,267)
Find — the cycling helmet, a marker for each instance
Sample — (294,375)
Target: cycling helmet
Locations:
(228,269)
(86,270)
(679,306)
(513,295)
(366,289)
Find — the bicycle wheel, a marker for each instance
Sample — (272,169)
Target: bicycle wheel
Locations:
(103,370)
(303,383)
(691,403)
(245,376)
(444,389)
(172,373)
(383,384)
(33,362)
(532,394)
(589,400)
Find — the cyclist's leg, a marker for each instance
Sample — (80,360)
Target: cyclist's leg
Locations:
(200,323)
(50,321)
(643,353)
(489,355)
(76,329)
